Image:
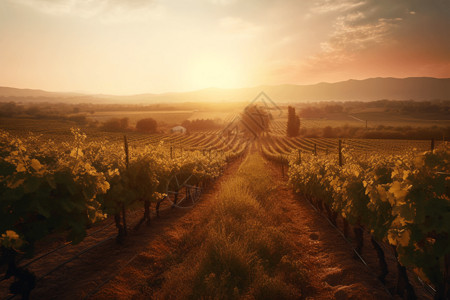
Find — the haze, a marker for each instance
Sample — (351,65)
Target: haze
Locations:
(140,46)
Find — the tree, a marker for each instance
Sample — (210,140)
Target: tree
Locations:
(255,120)
(124,123)
(115,124)
(9,109)
(328,132)
(147,125)
(293,124)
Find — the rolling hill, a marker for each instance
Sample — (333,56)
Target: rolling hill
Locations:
(415,88)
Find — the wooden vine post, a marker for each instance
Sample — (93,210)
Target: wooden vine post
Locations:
(315,149)
(147,203)
(340,164)
(120,221)
(299,156)
(177,188)
(127,163)
(432,145)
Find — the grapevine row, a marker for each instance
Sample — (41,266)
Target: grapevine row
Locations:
(48,188)
(402,200)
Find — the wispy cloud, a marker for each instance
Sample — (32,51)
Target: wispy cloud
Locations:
(372,38)
(352,35)
(365,25)
(326,6)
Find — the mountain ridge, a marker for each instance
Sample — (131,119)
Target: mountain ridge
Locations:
(378,88)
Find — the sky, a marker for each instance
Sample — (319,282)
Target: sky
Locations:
(154,46)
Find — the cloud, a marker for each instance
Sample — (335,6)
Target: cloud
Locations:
(361,27)
(107,10)
(352,35)
(369,38)
(326,6)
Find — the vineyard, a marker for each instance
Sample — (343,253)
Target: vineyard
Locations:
(279,147)
(224,149)
(399,198)
(390,190)
(50,187)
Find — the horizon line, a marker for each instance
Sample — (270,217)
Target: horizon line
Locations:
(81,93)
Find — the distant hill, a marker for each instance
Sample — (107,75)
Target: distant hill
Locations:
(31,95)
(415,88)
(14,92)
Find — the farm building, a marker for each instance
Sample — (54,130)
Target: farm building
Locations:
(178,129)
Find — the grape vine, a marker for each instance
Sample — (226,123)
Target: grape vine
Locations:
(403,200)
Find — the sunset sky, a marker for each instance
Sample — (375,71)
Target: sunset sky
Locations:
(139,46)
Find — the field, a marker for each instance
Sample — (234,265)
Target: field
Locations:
(170,118)
(175,117)
(211,212)
(374,119)
(224,149)
(274,142)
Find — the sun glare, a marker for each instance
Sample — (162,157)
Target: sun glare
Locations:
(217,73)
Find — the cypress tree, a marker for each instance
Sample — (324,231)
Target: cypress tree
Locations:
(293,125)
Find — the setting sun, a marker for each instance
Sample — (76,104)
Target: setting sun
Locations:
(131,47)
(215,73)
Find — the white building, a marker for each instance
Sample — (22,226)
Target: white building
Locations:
(178,129)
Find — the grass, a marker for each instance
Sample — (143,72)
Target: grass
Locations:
(238,250)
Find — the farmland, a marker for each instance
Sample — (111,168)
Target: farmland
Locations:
(139,189)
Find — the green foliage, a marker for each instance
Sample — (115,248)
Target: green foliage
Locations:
(402,199)
(44,190)
(47,187)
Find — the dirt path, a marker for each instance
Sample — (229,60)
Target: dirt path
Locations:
(334,273)
(331,259)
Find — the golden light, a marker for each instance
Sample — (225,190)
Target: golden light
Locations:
(214,72)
